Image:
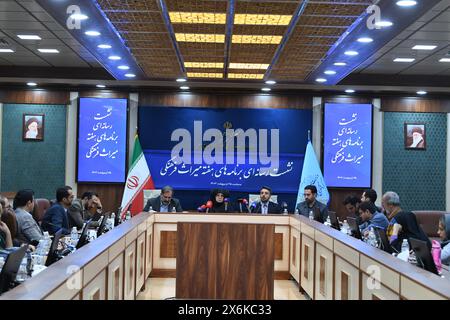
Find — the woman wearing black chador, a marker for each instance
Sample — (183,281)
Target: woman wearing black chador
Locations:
(221,201)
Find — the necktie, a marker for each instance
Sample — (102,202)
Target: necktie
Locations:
(264,209)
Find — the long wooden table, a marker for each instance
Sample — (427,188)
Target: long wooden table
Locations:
(326,263)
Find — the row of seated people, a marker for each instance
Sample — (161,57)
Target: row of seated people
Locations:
(25,221)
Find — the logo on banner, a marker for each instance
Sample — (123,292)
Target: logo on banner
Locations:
(133,182)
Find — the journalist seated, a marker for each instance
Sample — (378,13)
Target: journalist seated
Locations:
(265,206)
(164,202)
(28,230)
(444,233)
(89,207)
(220,200)
(372,218)
(308,206)
(56,217)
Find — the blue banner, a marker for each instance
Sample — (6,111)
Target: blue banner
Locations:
(235,167)
(102,129)
(348,145)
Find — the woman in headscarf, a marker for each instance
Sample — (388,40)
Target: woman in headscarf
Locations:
(221,201)
(405,226)
(444,233)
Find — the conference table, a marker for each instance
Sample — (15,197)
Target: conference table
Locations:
(326,263)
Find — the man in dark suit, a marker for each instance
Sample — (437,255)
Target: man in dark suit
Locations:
(164,202)
(307,207)
(56,217)
(265,206)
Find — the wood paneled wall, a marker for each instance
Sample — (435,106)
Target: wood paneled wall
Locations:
(415,104)
(35,97)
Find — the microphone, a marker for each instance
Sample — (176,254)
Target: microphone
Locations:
(241,202)
(226,200)
(284,207)
(202,208)
(209,205)
(251,207)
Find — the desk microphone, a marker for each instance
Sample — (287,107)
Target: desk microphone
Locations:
(209,205)
(251,207)
(226,200)
(284,207)
(202,208)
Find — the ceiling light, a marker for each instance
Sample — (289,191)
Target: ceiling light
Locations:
(351,53)
(262,19)
(114,58)
(383,24)
(79,16)
(181,80)
(424,47)
(321,80)
(198,17)
(256,66)
(92,33)
(204,75)
(256,76)
(123,67)
(130,75)
(213,65)
(445,60)
(349,91)
(266,89)
(200,37)
(340,64)
(406,3)
(251,39)
(404,60)
(31,84)
(100,86)
(271,82)
(29,37)
(184,88)
(48,50)
(6,50)
(421,92)
(365,40)
(104,46)
(330,72)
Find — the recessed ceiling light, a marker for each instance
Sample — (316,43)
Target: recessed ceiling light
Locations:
(351,53)
(184,88)
(6,51)
(114,58)
(29,37)
(330,72)
(406,3)
(181,80)
(383,24)
(340,64)
(271,82)
(92,33)
(100,86)
(31,84)
(130,75)
(424,47)
(123,67)
(445,60)
(257,76)
(104,46)
(205,75)
(404,60)
(266,89)
(321,80)
(255,66)
(48,50)
(421,92)
(350,91)
(79,16)
(365,40)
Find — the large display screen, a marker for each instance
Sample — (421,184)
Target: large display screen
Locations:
(348,145)
(102,133)
(236,149)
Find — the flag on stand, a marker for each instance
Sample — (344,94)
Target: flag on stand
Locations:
(312,175)
(138,180)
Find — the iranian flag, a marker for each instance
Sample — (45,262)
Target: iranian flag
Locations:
(138,180)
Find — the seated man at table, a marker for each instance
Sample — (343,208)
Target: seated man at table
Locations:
(374,219)
(89,207)
(402,224)
(264,205)
(56,217)
(164,202)
(308,206)
(28,230)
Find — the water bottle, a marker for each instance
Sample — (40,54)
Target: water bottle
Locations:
(296,211)
(372,239)
(74,235)
(174,210)
(328,222)
(345,227)
(46,243)
(151,209)
(285,211)
(311,215)
(405,245)
(128,216)
(111,221)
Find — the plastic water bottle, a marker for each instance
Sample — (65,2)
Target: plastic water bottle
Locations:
(345,227)
(111,220)
(328,222)
(372,238)
(128,215)
(151,209)
(285,211)
(405,245)
(311,215)
(74,235)
(174,210)
(296,211)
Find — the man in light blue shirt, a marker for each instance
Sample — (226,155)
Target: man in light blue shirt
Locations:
(368,212)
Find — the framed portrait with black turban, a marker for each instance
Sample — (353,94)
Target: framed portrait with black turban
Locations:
(33,127)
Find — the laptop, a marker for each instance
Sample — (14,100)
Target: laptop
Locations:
(354,227)
(384,241)
(423,255)
(53,252)
(83,238)
(334,220)
(11,267)
(101,227)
